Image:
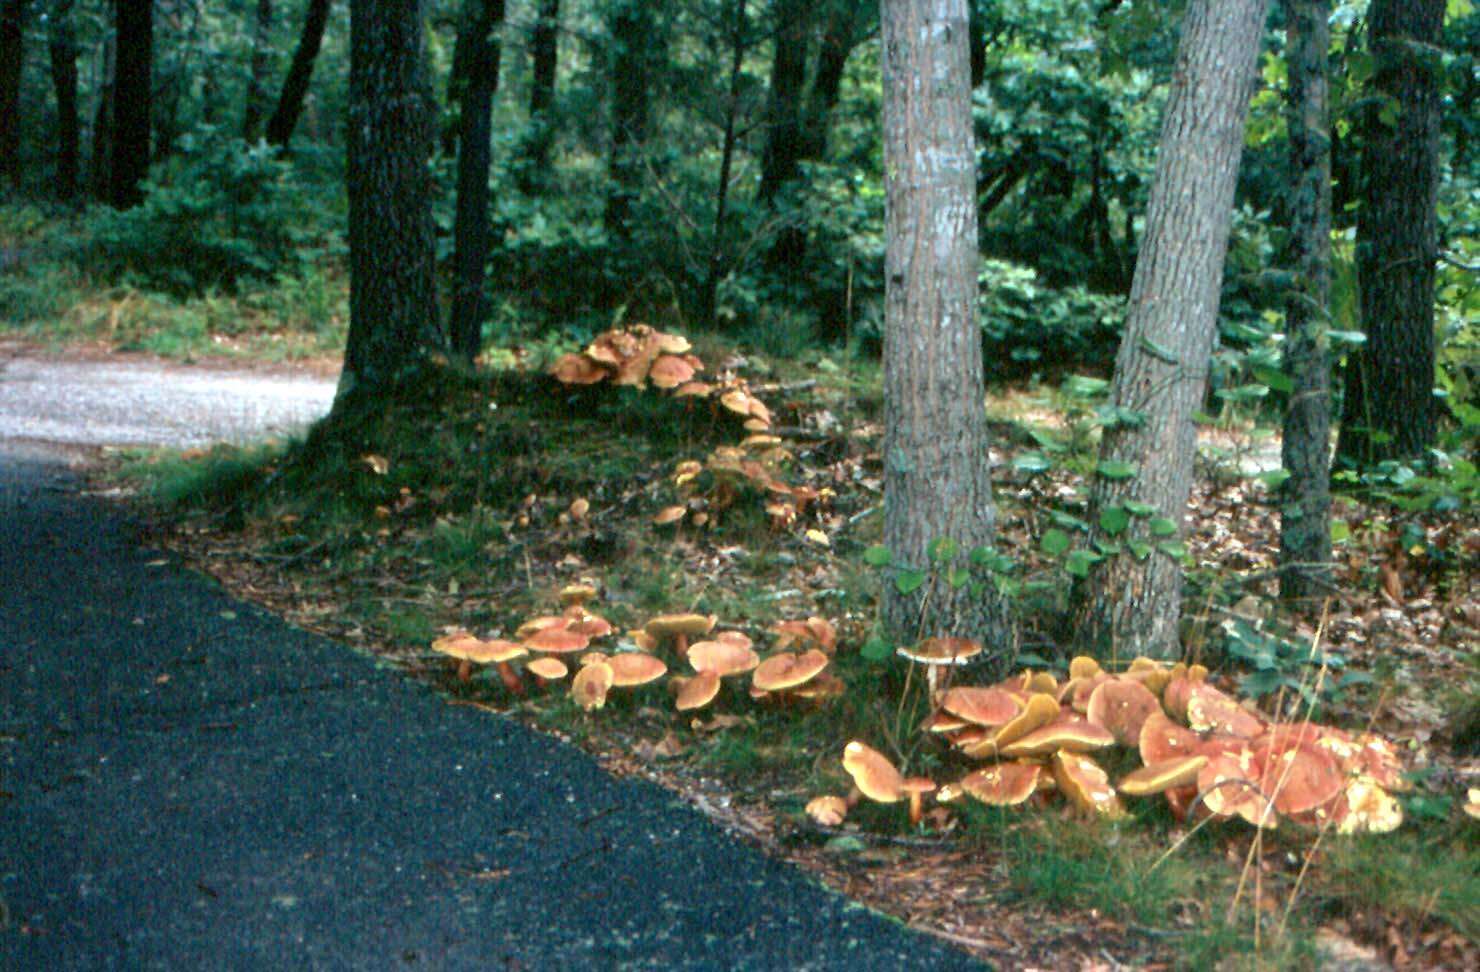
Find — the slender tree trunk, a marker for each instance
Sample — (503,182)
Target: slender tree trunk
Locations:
(739,27)
(12,57)
(295,87)
(62,48)
(782,152)
(631,33)
(476,89)
(1305,516)
(133,81)
(1133,603)
(100,174)
(840,34)
(257,71)
(544,52)
(392,296)
(1389,411)
(937,481)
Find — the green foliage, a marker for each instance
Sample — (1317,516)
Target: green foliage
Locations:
(214,216)
(1277,667)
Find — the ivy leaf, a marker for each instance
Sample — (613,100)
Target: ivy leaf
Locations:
(1162,526)
(942,549)
(1139,549)
(1032,463)
(908,581)
(1068,522)
(1274,478)
(1079,562)
(1275,379)
(876,649)
(1055,542)
(1115,469)
(1114,519)
(957,577)
(1172,549)
(1137,508)
(1352,338)
(878,556)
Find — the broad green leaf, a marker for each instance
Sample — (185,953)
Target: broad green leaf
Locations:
(1275,379)
(1139,549)
(876,649)
(957,577)
(1115,469)
(1137,508)
(1340,531)
(1114,519)
(1083,386)
(909,581)
(942,550)
(1274,478)
(1067,521)
(878,556)
(1172,549)
(1161,526)
(1079,562)
(1032,463)
(1347,337)
(1055,542)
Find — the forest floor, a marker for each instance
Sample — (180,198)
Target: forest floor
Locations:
(468,515)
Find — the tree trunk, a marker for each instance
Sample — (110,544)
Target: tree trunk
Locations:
(631,33)
(1305,512)
(475,91)
(739,28)
(62,48)
(1389,411)
(544,51)
(257,71)
(1132,603)
(295,87)
(12,57)
(937,474)
(133,80)
(102,129)
(392,298)
(782,152)
(840,34)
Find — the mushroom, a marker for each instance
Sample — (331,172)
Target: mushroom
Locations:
(547,670)
(577,369)
(1073,735)
(577,594)
(1003,785)
(1121,705)
(1159,777)
(557,641)
(937,654)
(634,668)
(1228,786)
(670,371)
(680,627)
(817,632)
(470,651)
(915,787)
(1040,710)
(723,657)
(591,684)
(873,774)
(981,706)
(697,692)
(828,811)
(1085,785)
(1210,710)
(785,670)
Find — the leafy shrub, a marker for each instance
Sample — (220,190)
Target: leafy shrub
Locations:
(216,214)
(1024,321)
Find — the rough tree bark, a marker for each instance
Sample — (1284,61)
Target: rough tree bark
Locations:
(937,481)
(631,33)
(132,85)
(257,70)
(1305,512)
(474,91)
(12,57)
(1389,411)
(295,87)
(1131,604)
(102,128)
(62,51)
(544,53)
(392,295)
(738,37)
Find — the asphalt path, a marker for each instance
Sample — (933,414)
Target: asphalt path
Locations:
(187,782)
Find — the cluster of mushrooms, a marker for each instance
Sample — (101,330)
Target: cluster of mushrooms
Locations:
(795,670)
(1204,752)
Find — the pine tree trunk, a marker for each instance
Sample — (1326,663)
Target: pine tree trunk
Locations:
(631,33)
(840,34)
(62,50)
(1132,603)
(739,28)
(544,52)
(12,57)
(475,91)
(392,297)
(132,86)
(99,173)
(1305,512)
(782,152)
(257,71)
(295,87)
(1389,411)
(937,473)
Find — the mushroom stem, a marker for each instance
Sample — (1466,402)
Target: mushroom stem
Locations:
(681,643)
(511,678)
(916,808)
(464,670)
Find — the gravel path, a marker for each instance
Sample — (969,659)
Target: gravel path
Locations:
(136,401)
